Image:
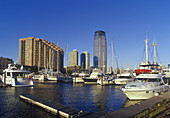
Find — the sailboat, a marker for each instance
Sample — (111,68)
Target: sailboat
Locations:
(65,78)
(52,76)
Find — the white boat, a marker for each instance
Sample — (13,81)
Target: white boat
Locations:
(79,77)
(123,79)
(105,81)
(166,72)
(94,76)
(65,79)
(15,76)
(125,76)
(145,86)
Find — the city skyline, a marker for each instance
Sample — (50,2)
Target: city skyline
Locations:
(74,22)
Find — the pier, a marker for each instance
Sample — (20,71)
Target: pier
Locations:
(158,106)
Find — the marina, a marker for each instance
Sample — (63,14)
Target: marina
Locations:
(85,59)
(88,98)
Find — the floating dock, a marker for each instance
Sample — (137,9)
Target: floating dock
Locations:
(53,107)
(158,106)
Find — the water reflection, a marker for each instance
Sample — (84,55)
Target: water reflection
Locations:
(89,98)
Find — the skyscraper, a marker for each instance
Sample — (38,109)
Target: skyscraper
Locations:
(41,53)
(73,58)
(85,60)
(99,51)
(82,61)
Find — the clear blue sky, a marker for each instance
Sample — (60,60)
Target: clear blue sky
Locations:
(75,21)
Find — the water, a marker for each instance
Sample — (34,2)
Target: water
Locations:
(89,98)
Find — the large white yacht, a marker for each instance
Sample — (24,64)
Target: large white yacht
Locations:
(94,76)
(15,76)
(145,86)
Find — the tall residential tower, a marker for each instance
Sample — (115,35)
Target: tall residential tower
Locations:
(99,51)
(73,58)
(41,53)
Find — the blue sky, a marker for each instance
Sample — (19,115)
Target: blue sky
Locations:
(75,21)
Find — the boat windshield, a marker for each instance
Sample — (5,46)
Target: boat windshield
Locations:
(147,80)
(124,77)
(20,75)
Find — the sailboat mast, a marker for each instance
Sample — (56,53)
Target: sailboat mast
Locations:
(66,57)
(154,45)
(57,58)
(146,42)
(108,58)
(112,57)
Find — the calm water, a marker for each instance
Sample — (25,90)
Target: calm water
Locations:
(89,98)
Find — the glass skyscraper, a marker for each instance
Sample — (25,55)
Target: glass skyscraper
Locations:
(99,51)
(85,62)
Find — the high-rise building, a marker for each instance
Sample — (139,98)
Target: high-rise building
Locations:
(73,58)
(41,53)
(99,51)
(82,61)
(85,61)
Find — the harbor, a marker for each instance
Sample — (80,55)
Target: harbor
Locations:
(51,99)
(85,59)
(87,98)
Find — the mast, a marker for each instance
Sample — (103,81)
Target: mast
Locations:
(112,57)
(108,58)
(154,45)
(57,59)
(66,57)
(146,42)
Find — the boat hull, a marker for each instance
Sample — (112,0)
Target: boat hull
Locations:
(118,81)
(105,82)
(19,82)
(65,79)
(144,93)
(78,80)
(90,81)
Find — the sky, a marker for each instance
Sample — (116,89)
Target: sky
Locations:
(75,21)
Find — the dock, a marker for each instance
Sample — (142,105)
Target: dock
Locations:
(158,106)
(52,107)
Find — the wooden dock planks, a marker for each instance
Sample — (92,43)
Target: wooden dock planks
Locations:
(55,108)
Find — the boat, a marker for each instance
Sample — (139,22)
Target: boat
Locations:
(125,77)
(166,72)
(122,79)
(66,79)
(105,81)
(147,66)
(145,86)
(17,76)
(78,77)
(94,76)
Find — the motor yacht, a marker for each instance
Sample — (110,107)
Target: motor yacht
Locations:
(94,76)
(145,86)
(16,76)
(78,78)
(123,79)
